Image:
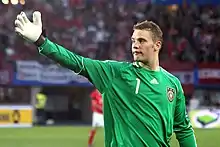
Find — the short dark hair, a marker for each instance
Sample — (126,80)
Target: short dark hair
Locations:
(157,34)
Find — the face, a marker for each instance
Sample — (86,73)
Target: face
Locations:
(144,48)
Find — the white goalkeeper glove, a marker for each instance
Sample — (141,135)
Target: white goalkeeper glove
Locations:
(30,31)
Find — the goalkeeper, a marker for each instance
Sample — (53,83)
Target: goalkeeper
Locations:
(143,103)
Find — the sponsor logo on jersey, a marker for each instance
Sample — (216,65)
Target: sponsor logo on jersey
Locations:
(154,81)
(170,94)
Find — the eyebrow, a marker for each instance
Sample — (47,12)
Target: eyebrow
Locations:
(138,38)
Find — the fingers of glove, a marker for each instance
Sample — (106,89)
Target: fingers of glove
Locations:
(20,18)
(37,18)
(18,24)
(19,31)
(24,16)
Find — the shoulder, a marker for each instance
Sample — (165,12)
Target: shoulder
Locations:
(117,64)
(173,79)
(168,74)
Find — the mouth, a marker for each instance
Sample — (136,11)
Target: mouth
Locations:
(137,53)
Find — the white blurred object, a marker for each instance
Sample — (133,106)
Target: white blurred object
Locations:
(50,122)
(193,103)
(9,51)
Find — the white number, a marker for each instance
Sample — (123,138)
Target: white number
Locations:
(137,86)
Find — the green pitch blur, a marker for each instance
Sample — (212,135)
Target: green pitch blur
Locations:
(77,137)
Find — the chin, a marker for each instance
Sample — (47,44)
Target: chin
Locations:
(137,59)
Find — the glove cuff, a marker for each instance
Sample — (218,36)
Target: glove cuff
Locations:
(40,41)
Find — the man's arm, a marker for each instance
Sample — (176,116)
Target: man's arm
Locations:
(182,126)
(100,73)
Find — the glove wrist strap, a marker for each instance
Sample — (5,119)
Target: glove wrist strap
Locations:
(40,41)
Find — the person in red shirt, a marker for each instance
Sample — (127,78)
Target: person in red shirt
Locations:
(97,118)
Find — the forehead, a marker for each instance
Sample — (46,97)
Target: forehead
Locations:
(141,34)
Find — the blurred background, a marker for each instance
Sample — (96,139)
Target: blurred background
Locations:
(101,29)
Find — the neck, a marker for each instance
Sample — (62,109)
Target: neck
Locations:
(151,65)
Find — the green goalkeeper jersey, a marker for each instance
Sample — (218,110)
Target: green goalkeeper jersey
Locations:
(142,108)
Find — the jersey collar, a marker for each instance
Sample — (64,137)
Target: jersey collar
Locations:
(136,64)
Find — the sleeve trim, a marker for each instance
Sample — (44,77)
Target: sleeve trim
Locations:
(82,67)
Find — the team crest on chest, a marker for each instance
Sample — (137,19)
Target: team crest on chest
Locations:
(170,94)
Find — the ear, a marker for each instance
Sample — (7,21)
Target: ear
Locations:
(157,45)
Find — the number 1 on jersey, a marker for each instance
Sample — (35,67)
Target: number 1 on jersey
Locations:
(137,85)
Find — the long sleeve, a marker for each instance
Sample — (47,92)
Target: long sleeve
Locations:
(100,73)
(182,126)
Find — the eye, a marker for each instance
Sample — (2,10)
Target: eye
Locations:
(141,40)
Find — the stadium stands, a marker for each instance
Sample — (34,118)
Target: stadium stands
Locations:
(101,30)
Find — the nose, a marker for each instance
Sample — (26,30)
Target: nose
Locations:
(136,45)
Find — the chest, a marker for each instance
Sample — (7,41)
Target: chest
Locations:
(146,87)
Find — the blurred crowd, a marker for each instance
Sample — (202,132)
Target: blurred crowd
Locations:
(101,29)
